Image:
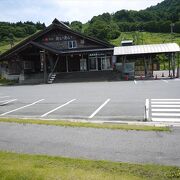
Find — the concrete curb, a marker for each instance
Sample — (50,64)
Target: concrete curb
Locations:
(139,123)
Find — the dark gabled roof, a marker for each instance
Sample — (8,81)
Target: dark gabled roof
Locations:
(60,23)
(55,25)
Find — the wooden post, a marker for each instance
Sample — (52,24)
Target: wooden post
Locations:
(43,64)
(67,64)
(45,67)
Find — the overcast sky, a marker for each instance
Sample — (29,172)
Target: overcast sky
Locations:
(65,10)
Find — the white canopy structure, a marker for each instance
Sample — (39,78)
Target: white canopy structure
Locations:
(146,53)
(147,49)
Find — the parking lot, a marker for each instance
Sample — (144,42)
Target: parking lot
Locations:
(123,100)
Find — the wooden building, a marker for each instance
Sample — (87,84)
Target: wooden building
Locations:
(55,50)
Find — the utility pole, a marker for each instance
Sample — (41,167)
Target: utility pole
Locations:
(172,30)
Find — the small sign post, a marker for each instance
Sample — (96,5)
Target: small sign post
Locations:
(146,114)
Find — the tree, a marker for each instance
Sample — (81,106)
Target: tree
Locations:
(76,26)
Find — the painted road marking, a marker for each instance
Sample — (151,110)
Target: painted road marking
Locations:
(165,102)
(171,106)
(22,107)
(135,82)
(165,99)
(166,119)
(4,96)
(97,110)
(7,101)
(146,115)
(166,114)
(165,110)
(165,81)
(58,108)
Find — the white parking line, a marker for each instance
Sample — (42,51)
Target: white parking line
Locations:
(165,102)
(165,99)
(166,114)
(22,107)
(172,106)
(97,110)
(165,81)
(165,110)
(166,120)
(4,96)
(58,108)
(6,102)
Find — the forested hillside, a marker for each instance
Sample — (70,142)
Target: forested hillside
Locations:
(154,19)
(11,33)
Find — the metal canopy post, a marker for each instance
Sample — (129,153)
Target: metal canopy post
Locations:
(173,64)
(145,67)
(151,65)
(178,65)
(123,66)
(169,65)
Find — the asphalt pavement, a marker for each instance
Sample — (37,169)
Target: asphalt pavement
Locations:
(97,144)
(123,100)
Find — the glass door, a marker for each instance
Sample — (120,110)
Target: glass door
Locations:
(83,65)
(105,63)
(93,64)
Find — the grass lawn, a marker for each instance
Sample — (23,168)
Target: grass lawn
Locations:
(148,38)
(15,166)
(85,124)
(4,46)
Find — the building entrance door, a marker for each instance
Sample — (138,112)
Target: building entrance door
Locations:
(83,65)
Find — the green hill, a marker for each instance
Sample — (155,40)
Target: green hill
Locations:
(147,38)
(13,33)
(156,19)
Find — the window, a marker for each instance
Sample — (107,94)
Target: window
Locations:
(72,44)
(93,64)
(27,65)
(105,63)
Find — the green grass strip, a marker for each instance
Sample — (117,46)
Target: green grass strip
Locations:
(6,82)
(85,124)
(15,166)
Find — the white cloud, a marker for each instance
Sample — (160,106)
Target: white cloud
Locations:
(84,10)
(65,10)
